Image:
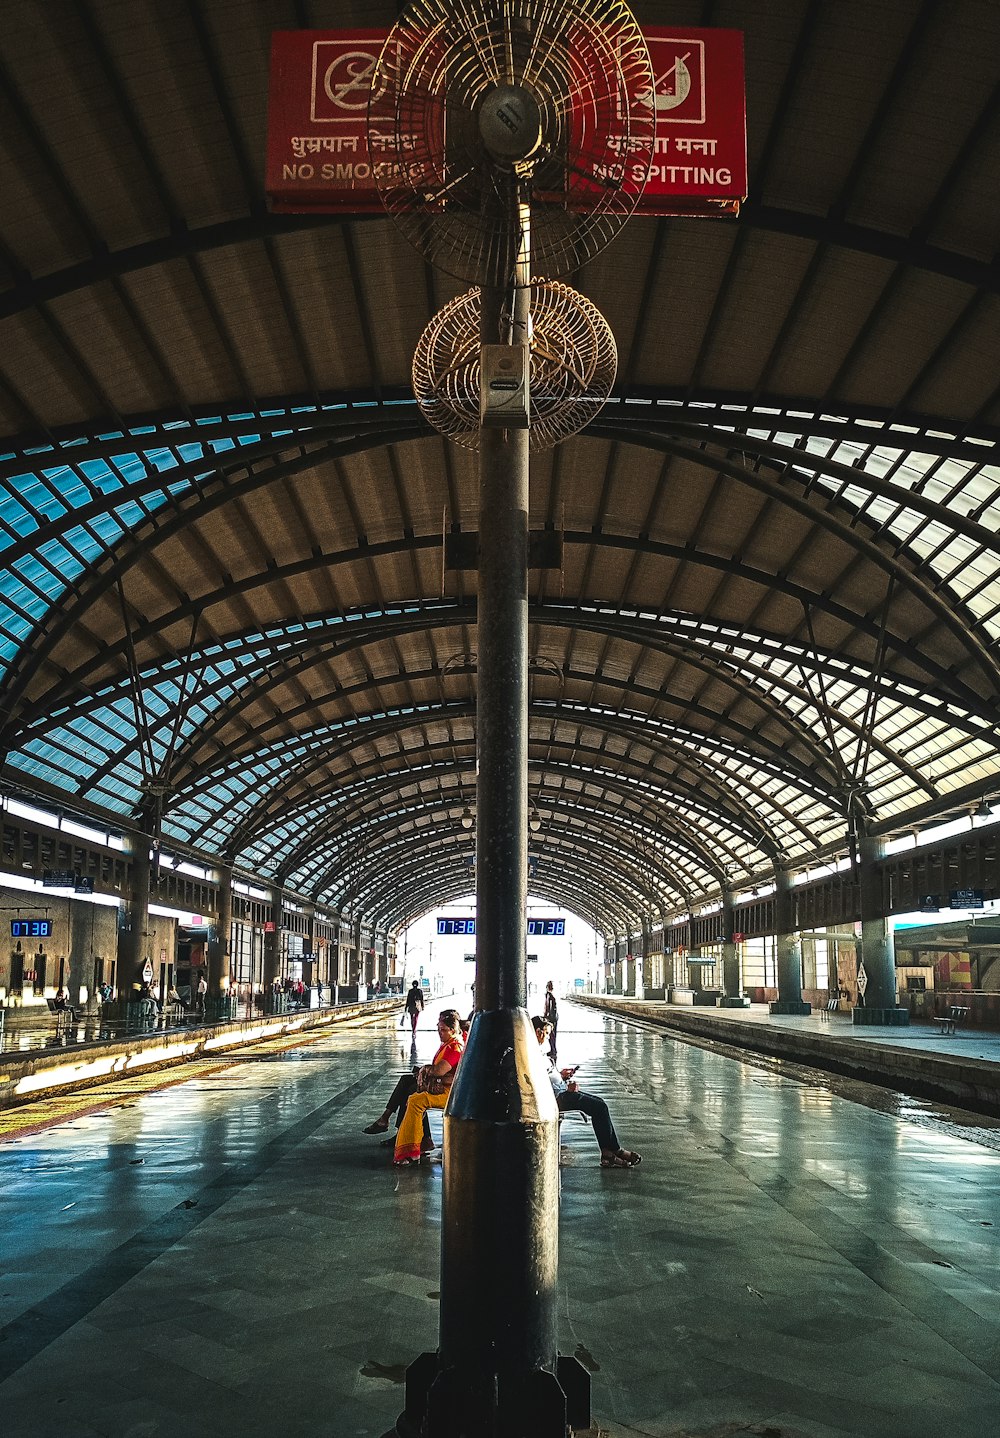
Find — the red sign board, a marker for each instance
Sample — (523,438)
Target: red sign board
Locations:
(319,158)
(700,160)
(318,155)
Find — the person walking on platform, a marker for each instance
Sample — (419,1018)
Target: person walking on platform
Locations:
(414,1004)
(200,993)
(551,1015)
(569,1096)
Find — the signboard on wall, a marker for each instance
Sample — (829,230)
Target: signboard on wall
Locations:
(319,159)
(59,878)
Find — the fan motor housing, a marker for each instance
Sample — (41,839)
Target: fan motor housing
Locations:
(503,387)
(510,122)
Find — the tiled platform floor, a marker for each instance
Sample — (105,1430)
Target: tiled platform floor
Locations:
(231,1257)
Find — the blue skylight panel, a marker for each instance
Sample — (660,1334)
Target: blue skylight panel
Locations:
(122,798)
(67,563)
(132,467)
(101,475)
(162,461)
(132,514)
(58,757)
(28,764)
(15,516)
(19,597)
(87,732)
(46,505)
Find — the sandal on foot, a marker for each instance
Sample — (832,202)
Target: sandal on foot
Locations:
(406,1163)
(622,1159)
(377,1127)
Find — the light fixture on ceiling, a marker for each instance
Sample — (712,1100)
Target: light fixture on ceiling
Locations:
(468,819)
(534,822)
(985,810)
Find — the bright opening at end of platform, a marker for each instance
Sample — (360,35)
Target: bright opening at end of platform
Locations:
(444,963)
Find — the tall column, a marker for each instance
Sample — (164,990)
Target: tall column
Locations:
(134,919)
(628,967)
(732,979)
(272,942)
(789,950)
(80,960)
(317,977)
(640,966)
(880,1005)
(495,1370)
(220,938)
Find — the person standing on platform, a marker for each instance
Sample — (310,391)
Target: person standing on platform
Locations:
(414,1004)
(551,1016)
(200,993)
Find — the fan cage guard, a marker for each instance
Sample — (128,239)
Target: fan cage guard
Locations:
(574,361)
(586,65)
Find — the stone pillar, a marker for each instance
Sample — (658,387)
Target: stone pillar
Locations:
(272,943)
(134,920)
(80,959)
(732,979)
(879,1005)
(640,967)
(317,977)
(789,950)
(357,974)
(220,938)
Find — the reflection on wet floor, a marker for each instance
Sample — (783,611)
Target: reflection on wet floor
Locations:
(977,1127)
(798,1255)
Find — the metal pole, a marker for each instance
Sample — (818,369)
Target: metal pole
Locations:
(497,1371)
(502,707)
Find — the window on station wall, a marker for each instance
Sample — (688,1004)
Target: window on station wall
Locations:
(815,962)
(822,964)
(759,963)
(242,955)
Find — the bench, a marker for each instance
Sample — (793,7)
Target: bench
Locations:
(948,1023)
(832,1007)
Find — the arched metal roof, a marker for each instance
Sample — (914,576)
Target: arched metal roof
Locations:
(222,516)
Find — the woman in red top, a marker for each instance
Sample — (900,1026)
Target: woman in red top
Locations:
(443,1068)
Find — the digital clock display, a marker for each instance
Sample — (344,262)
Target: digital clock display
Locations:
(456,926)
(547,928)
(31,928)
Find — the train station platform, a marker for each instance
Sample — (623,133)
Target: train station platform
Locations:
(217,1250)
(958,1065)
(37,1056)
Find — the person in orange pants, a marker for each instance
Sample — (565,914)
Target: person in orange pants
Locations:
(434,1082)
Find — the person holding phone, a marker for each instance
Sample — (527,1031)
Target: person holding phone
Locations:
(570,1096)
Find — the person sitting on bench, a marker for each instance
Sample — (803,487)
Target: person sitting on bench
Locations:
(570,1096)
(62,1004)
(433,1086)
(406,1086)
